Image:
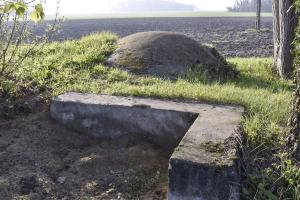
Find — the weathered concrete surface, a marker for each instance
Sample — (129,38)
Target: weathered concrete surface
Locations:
(203,166)
(163,54)
(109,117)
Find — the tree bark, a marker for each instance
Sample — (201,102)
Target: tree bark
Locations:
(284,24)
(258,15)
(293,135)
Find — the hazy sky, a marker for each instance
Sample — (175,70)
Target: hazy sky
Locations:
(102,6)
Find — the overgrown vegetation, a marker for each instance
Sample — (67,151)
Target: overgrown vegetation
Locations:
(16,28)
(208,73)
(293,141)
(80,66)
(291,161)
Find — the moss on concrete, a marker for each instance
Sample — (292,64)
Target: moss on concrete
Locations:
(130,61)
(213,147)
(169,55)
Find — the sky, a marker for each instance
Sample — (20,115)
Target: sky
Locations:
(67,7)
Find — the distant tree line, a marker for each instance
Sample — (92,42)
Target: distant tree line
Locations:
(250,6)
(152,5)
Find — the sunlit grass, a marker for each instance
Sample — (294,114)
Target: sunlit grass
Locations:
(79,66)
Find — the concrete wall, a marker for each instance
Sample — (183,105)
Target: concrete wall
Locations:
(204,166)
(165,128)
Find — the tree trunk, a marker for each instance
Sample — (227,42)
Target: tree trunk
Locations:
(258,14)
(284,24)
(293,137)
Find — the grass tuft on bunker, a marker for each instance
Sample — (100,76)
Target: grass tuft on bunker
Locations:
(79,66)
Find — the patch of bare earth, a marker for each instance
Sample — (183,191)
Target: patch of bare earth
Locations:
(40,159)
(230,35)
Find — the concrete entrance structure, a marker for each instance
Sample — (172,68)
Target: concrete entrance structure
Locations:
(204,164)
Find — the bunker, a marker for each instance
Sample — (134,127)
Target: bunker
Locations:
(168,55)
(204,164)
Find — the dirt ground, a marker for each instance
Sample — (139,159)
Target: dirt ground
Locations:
(40,159)
(232,36)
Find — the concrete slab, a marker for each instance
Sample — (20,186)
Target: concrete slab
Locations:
(204,164)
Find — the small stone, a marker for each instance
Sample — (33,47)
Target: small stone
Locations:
(110,190)
(119,195)
(61,180)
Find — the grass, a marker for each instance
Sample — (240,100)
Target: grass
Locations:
(165,14)
(80,66)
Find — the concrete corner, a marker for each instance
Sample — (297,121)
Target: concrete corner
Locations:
(204,165)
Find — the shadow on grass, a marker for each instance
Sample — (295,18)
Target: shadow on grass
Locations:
(252,82)
(247,81)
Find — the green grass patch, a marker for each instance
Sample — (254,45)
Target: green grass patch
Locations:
(79,66)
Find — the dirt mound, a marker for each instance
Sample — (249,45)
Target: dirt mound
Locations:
(163,54)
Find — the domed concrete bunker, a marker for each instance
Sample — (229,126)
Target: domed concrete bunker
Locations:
(166,54)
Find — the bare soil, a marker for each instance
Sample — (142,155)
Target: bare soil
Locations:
(232,36)
(40,159)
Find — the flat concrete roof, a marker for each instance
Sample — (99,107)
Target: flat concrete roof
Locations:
(176,105)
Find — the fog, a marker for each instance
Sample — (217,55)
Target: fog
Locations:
(152,5)
(113,6)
